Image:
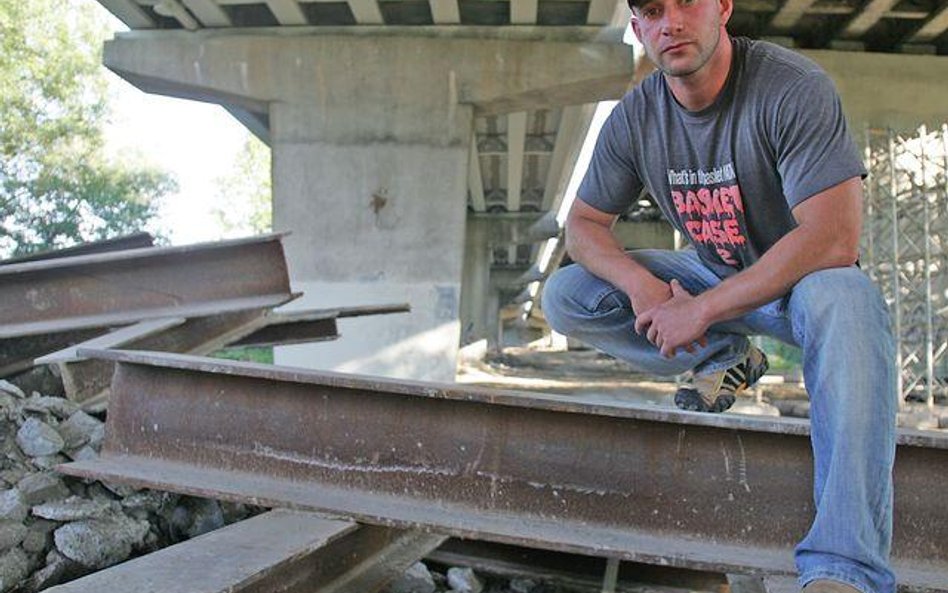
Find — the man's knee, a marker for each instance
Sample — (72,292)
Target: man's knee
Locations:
(842,298)
(572,297)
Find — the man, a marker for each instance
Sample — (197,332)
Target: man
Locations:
(745,148)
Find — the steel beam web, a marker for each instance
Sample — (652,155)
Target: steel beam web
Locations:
(713,492)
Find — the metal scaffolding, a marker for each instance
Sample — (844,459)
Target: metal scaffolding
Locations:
(904,250)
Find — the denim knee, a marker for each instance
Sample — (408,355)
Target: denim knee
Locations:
(839,300)
(572,297)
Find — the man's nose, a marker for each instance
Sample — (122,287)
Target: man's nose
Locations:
(673,19)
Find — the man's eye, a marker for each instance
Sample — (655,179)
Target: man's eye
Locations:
(651,12)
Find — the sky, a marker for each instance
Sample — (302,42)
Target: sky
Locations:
(196,142)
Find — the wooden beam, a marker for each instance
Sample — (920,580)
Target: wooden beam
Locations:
(866,18)
(445,12)
(791,12)
(523,12)
(516,139)
(475,182)
(932,28)
(366,12)
(287,12)
(209,13)
(129,13)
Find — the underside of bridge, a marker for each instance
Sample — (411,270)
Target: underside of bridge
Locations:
(421,148)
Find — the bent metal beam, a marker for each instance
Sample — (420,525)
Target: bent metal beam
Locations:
(724,493)
(48,305)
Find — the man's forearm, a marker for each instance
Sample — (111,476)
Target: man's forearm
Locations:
(797,254)
(595,247)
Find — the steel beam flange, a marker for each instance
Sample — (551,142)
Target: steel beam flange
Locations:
(280,551)
(123,287)
(723,493)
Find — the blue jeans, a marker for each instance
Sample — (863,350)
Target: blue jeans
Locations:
(839,319)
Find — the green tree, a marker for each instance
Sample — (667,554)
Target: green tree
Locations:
(57,184)
(244,196)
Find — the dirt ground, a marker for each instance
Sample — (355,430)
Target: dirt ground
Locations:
(583,372)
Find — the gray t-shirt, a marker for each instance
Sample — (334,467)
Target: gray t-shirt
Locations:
(727,176)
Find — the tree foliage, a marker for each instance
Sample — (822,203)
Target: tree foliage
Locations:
(57,184)
(244,196)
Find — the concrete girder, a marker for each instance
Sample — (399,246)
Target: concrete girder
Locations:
(932,28)
(252,70)
(868,17)
(516,138)
(209,13)
(445,12)
(287,12)
(129,13)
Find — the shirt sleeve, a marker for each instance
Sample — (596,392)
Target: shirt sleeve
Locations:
(611,182)
(813,145)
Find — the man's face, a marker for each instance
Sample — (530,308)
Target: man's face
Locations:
(680,36)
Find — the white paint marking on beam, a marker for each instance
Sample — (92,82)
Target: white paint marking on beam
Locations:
(366,12)
(209,13)
(868,17)
(287,12)
(933,28)
(445,12)
(475,182)
(516,139)
(600,12)
(523,12)
(129,13)
(791,12)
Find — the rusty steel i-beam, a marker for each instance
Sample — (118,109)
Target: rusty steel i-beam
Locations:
(51,304)
(723,493)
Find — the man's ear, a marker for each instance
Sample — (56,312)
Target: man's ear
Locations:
(726,9)
(634,21)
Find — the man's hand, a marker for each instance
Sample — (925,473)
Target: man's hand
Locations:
(650,292)
(675,323)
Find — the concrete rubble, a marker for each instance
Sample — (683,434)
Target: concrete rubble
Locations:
(56,528)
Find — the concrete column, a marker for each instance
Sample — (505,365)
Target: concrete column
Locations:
(370,137)
(476,274)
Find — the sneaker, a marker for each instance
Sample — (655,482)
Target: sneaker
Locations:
(715,392)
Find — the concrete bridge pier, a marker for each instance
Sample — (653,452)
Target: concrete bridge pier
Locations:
(370,138)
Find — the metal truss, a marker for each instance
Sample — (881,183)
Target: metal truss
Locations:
(904,250)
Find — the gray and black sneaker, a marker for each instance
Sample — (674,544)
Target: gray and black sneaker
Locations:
(715,392)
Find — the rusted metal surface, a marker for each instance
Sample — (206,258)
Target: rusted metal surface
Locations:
(86,381)
(278,552)
(311,325)
(133,241)
(711,492)
(49,305)
(124,287)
